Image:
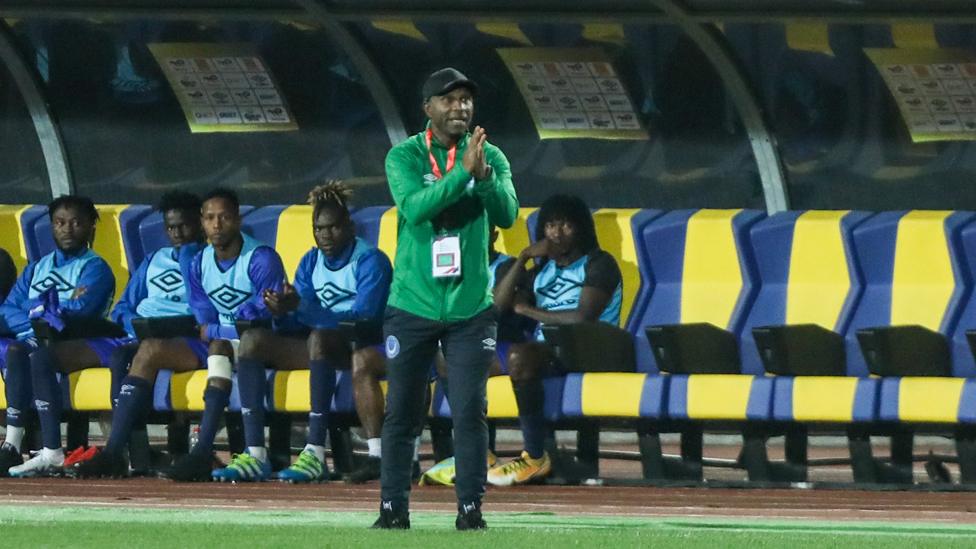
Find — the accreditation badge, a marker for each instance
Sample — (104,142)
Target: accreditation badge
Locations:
(445,254)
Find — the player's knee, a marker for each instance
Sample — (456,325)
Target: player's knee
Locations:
(253,340)
(16,349)
(221,347)
(518,363)
(143,364)
(367,364)
(327,344)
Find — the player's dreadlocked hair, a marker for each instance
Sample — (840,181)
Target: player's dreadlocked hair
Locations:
(333,194)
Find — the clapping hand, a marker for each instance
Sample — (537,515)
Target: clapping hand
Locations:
(474,156)
(283,302)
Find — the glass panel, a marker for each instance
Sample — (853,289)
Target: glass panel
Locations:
(697,154)
(843,141)
(765,8)
(127,137)
(23,179)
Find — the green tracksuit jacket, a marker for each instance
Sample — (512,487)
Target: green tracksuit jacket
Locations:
(427,207)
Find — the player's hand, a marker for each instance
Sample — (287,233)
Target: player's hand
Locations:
(79,291)
(539,248)
(474,156)
(283,302)
(288,298)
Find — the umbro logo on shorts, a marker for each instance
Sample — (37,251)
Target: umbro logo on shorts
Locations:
(392,346)
(488,344)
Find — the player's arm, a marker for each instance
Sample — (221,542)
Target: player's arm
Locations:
(135,291)
(95,289)
(13,311)
(514,287)
(267,273)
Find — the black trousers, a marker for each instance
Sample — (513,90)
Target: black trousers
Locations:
(411,343)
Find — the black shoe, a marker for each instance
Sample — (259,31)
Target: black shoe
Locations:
(469,518)
(391,519)
(191,468)
(104,464)
(369,470)
(9,457)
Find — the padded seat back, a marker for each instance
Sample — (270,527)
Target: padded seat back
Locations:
(807,274)
(702,270)
(914,274)
(14,220)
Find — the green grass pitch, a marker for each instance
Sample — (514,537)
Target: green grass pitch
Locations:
(90,526)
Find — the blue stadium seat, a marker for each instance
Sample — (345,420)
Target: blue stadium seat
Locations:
(963,363)
(807,274)
(914,274)
(15,223)
(702,268)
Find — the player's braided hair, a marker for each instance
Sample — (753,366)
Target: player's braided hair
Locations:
(333,194)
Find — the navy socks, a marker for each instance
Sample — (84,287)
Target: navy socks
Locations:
(47,396)
(322,381)
(530,398)
(18,389)
(252,384)
(215,400)
(133,404)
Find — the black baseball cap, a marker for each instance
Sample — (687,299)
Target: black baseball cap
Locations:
(445,80)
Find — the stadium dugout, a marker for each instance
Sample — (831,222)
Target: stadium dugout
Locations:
(785,186)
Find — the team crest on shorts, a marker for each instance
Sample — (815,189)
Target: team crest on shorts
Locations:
(392,346)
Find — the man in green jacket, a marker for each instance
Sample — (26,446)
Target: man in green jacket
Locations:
(449,185)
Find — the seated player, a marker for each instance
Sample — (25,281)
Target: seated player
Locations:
(156,289)
(228,280)
(577,282)
(66,285)
(342,278)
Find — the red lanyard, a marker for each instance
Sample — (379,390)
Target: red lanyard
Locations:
(451,153)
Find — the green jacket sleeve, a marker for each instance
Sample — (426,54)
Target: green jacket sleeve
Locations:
(498,192)
(416,202)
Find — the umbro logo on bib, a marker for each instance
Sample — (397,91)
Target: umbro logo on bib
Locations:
(330,294)
(488,344)
(228,297)
(168,281)
(558,287)
(429,178)
(52,280)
